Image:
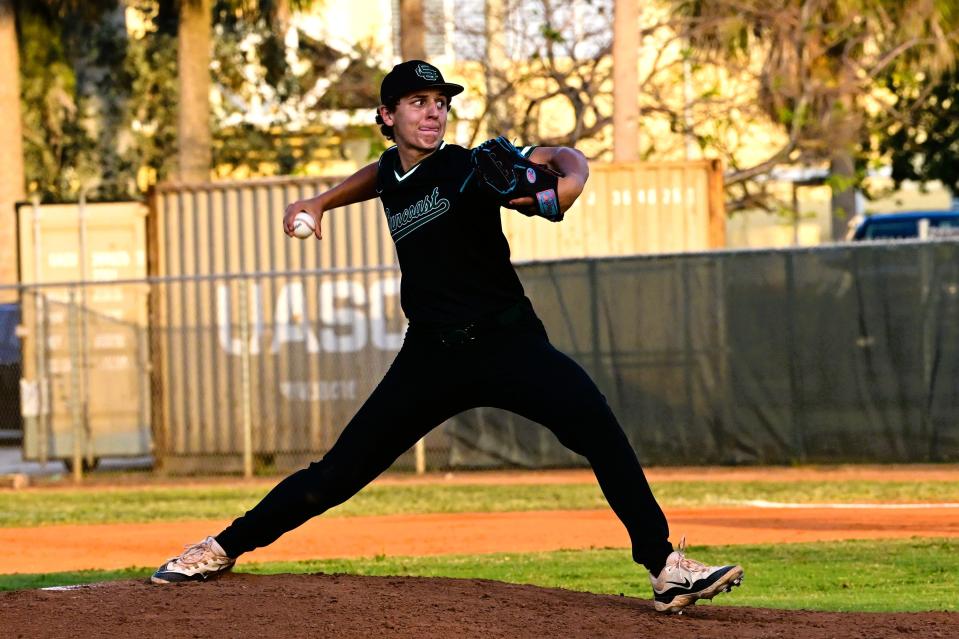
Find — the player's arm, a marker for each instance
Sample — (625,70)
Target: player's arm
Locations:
(571,164)
(359,187)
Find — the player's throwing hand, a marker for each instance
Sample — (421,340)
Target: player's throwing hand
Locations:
(312,207)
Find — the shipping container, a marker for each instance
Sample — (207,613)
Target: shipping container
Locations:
(84,298)
(630,209)
(295,334)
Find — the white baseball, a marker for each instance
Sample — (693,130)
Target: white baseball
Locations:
(303,225)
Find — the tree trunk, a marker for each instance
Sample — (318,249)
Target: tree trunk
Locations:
(194,139)
(845,128)
(281,17)
(842,164)
(412,30)
(498,121)
(843,168)
(625,81)
(11,137)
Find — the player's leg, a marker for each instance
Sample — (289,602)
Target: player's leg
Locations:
(417,394)
(537,381)
(405,406)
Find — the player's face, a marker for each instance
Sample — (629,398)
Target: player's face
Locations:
(419,120)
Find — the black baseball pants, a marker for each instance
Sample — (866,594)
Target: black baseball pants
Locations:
(515,369)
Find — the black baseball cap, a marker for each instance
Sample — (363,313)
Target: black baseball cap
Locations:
(414,75)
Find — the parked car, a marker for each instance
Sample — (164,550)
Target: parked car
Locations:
(904,225)
(11,422)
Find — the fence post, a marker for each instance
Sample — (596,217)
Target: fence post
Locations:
(796,406)
(928,322)
(717,205)
(83,342)
(245,399)
(40,318)
(419,452)
(76,411)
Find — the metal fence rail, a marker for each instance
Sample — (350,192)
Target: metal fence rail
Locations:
(841,353)
(290,358)
(233,372)
(85,390)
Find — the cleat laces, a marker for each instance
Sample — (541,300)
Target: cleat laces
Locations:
(686,563)
(195,553)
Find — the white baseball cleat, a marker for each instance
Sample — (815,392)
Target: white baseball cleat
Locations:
(682,581)
(199,562)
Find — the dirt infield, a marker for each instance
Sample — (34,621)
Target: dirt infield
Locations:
(891,472)
(76,547)
(60,548)
(351,606)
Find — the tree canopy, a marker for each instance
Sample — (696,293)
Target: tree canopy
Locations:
(918,134)
(813,66)
(99,103)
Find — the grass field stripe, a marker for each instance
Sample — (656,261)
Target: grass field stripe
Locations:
(760,503)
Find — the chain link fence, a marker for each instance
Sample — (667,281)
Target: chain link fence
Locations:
(835,354)
(251,373)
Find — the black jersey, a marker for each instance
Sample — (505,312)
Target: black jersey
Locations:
(449,239)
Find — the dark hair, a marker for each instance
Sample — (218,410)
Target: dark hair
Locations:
(387,131)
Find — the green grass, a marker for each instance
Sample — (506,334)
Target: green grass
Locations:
(901,575)
(42,507)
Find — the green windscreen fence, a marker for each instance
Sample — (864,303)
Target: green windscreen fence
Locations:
(845,353)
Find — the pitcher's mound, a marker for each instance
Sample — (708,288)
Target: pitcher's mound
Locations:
(266,606)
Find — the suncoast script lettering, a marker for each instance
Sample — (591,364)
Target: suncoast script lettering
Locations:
(412,217)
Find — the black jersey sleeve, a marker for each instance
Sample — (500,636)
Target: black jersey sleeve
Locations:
(384,173)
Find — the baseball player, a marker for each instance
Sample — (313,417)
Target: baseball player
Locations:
(473,337)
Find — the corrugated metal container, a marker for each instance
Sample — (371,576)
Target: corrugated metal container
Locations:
(322,318)
(629,209)
(85,348)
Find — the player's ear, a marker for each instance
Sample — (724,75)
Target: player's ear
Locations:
(386,114)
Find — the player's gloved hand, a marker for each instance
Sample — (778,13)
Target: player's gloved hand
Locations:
(501,168)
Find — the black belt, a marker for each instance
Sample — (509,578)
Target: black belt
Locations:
(469,332)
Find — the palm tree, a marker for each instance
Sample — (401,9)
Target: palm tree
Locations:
(497,60)
(412,30)
(819,60)
(12,178)
(11,137)
(194,51)
(625,81)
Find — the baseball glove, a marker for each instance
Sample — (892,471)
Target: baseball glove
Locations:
(502,169)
